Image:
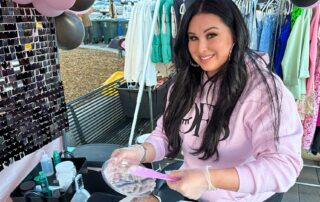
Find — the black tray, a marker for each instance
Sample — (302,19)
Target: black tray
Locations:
(17,196)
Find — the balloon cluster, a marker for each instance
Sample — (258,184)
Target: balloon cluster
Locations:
(69,27)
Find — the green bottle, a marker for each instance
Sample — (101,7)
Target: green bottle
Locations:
(56,157)
(43,180)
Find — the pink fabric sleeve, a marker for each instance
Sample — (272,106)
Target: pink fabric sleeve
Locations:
(159,141)
(275,169)
(313,48)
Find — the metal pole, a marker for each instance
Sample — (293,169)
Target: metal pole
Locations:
(143,77)
(308,184)
(150,106)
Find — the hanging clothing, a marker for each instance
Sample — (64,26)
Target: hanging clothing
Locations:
(177,11)
(295,13)
(267,34)
(249,15)
(259,17)
(313,48)
(139,29)
(248,11)
(156,52)
(161,44)
(166,32)
(295,63)
(178,7)
(306,104)
(315,147)
(310,121)
(282,44)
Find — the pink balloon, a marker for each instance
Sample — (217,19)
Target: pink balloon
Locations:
(23,1)
(45,9)
(60,4)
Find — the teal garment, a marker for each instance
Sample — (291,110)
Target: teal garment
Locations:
(295,63)
(166,32)
(156,52)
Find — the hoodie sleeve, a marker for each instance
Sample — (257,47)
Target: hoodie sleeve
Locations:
(277,164)
(159,140)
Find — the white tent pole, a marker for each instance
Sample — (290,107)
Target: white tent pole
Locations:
(143,78)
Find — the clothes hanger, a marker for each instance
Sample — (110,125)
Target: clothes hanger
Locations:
(250,5)
(267,5)
(270,7)
(288,6)
(182,9)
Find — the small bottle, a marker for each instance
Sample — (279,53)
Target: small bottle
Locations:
(44,184)
(56,157)
(46,165)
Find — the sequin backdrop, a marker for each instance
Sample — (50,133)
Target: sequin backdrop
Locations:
(32,104)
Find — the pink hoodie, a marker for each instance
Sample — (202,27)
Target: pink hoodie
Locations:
(250,148)
(314,26)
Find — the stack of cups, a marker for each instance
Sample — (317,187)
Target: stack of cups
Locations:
(65,174)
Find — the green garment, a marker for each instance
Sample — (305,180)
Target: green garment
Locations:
(161,42)
(166,32)
(156,52)
(295,63)
(295,13)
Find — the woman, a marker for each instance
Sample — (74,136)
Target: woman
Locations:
(234,121)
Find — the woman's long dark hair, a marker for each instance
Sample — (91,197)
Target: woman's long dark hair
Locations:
(233,77)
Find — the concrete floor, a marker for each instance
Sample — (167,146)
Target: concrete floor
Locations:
(303,193)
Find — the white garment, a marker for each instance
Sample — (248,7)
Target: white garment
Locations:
(139,29)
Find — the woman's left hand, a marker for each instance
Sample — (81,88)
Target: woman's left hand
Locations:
(192,183)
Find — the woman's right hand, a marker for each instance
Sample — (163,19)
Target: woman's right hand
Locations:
(133,154)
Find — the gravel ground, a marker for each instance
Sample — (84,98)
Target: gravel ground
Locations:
(86,69)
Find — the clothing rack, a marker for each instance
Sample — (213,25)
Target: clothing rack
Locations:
(283,7)
(143,77)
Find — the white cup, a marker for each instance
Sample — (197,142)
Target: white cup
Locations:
(65,173)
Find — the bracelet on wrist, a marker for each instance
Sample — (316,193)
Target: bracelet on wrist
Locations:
(144,154)
(142,151)
(211,187)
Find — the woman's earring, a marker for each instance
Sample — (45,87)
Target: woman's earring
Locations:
(194,64)
(230,52)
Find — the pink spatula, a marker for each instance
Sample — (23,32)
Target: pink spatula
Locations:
(146,172)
